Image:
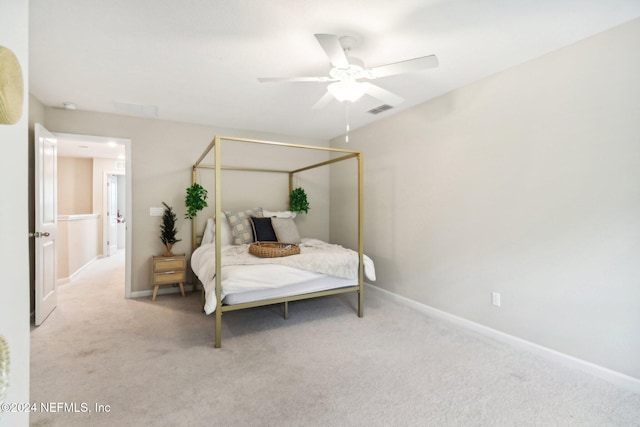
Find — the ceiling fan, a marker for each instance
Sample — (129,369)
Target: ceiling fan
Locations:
(347,71)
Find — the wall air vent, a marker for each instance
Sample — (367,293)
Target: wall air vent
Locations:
(380,109)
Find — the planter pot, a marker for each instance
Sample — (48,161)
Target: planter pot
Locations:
(168,251)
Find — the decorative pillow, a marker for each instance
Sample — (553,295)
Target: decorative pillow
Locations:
(279,214)
(263,230)
(209,232)
(240,224)
(286,230)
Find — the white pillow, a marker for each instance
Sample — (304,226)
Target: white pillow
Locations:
(226,237)
(278,214)
(209,232)
(209,235)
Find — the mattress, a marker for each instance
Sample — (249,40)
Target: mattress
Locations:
(316,284)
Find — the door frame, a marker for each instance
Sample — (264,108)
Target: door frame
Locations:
(108,242)
(128,199)
(129,220)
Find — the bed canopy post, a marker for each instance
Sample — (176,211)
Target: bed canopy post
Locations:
(194,179)
(218,220)
(194,221)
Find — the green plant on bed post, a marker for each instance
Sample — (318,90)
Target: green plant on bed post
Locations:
(195,200)
(168,229)
(298,201)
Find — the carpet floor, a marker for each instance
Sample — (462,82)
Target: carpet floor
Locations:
(103,360)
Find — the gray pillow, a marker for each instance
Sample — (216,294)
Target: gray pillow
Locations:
(286,230)
(240,223)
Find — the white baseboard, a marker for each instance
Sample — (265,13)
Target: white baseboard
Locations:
(614,377)
(87,264)
(161,291)
(63,280)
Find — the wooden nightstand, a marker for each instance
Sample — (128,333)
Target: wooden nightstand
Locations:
(168,270)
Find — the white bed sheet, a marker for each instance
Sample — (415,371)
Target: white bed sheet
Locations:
(246,283)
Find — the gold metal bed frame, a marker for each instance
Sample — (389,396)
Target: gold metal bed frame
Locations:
(215,145)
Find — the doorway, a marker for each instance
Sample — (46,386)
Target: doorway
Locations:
(110,194)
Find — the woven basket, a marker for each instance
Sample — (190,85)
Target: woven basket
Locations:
(273,249)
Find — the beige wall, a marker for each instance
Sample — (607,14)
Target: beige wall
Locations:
(526,183)
(163,154)
(75,183)
(76,244)
(14,222)
(81,191)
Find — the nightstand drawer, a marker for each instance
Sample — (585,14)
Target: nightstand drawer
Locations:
(167,264)
(168,277)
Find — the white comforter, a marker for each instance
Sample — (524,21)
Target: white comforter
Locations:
(316,258)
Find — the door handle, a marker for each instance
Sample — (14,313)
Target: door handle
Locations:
(39,234)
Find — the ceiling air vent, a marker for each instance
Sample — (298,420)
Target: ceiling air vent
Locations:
(380,109)
(137,109)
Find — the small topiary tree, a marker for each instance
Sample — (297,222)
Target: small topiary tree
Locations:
(168,229)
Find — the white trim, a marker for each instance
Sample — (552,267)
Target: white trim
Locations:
(129,224)
(614,377)
(77,217)
(63,280)
(162,291)
(83,267)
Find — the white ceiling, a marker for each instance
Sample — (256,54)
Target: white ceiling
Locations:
(84,146)
(198,61)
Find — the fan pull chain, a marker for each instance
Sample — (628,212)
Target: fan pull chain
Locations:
(346,138)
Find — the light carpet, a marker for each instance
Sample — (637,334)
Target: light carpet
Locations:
(153,364)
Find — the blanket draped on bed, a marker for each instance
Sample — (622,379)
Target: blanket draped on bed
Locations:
(315,256)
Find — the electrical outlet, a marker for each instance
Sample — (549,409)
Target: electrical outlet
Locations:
(156,211)
(495,298)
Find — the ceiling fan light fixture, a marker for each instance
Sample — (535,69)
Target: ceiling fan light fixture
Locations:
(347,91)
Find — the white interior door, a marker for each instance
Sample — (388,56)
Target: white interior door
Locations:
(112,213)
(46,222)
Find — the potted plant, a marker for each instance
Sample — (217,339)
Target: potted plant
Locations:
(195,200)
(168,229)
(298,201)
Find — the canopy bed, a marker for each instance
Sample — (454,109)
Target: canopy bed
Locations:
(234,279)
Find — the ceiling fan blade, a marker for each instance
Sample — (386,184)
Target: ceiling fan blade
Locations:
(294,79)
(401,67)
(322,102)
(383,95)
(332,47)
